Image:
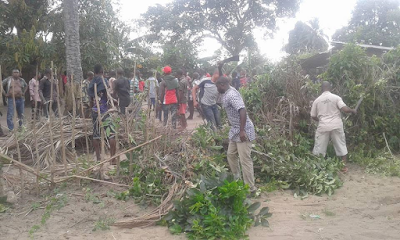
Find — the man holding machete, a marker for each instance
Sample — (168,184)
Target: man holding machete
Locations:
(326,109)
(241,134)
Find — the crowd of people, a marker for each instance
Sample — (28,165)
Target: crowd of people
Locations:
(171,95)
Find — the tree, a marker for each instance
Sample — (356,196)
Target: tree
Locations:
(375,22)
(306,38)
(231,23)
(24,14)
(103,36)
(26,47)
(72,44)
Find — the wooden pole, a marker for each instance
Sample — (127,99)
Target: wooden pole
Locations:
(16,137)
(64,157)
(100,124)
(111,100)
(36,141)
(23,166)
(107,160)
(1,90)
(119,154)
(49,112)
(96,180)
(85,126)
(72,86)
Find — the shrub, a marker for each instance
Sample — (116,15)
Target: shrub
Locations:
(215,209)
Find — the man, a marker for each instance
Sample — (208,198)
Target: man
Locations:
(190,96)
(151,86)
(208,100)
(159,106)
(326,109)
(45,93)
(35,97)
(15,89)
(235,81)
(100,113)
(243,78)
(134,87)
(241,134)
(169,96)
(183,91)
(121,90)
(111,82)
(141,82)
(85,96)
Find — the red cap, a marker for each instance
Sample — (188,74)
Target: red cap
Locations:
(167,69)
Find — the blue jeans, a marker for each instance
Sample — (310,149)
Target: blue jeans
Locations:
(212,115)
(20,105)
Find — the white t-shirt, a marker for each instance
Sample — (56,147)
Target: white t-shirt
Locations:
(327,108)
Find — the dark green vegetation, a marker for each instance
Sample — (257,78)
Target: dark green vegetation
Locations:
(286,131)
(216,208)
(374,22)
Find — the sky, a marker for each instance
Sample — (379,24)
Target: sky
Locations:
(332,15)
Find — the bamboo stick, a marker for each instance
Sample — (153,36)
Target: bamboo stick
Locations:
(36,142)
(1,90)
(72,84)
(116,155)
(85,126)
(100,124)
(64,157)
(97,180)
(49,112)
(16,138)
(25,167)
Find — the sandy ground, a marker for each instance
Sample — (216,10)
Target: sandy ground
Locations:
(366,207)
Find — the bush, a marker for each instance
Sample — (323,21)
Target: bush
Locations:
(215,209)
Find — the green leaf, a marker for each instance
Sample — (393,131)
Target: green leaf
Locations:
(264,211)
(175,229)
(253,207)
(264,222)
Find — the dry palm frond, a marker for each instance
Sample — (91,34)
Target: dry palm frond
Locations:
(42,134)
(175,192)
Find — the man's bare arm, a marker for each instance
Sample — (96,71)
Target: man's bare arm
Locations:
(346,109)
(194,91)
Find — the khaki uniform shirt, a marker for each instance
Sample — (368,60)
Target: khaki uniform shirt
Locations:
(327,109)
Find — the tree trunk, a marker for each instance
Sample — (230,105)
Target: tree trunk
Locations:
(72,45)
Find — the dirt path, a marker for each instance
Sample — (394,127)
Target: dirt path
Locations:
(366,207)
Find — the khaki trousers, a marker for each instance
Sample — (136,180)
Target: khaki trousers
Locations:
(243,149)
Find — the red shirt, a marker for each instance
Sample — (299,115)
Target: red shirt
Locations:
(64,79)
(141,86)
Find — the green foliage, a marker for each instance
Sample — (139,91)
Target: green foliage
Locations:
(293,166)
(3,208)
(306,38)
(373,22)
(103,224)
(231,23)
(354,75)
(215,209)
(56,203)
(147,186)
(376,162)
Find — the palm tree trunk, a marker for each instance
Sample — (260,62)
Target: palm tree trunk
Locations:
(73,53)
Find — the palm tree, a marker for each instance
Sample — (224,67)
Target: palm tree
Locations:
(306,38)
(72,44)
